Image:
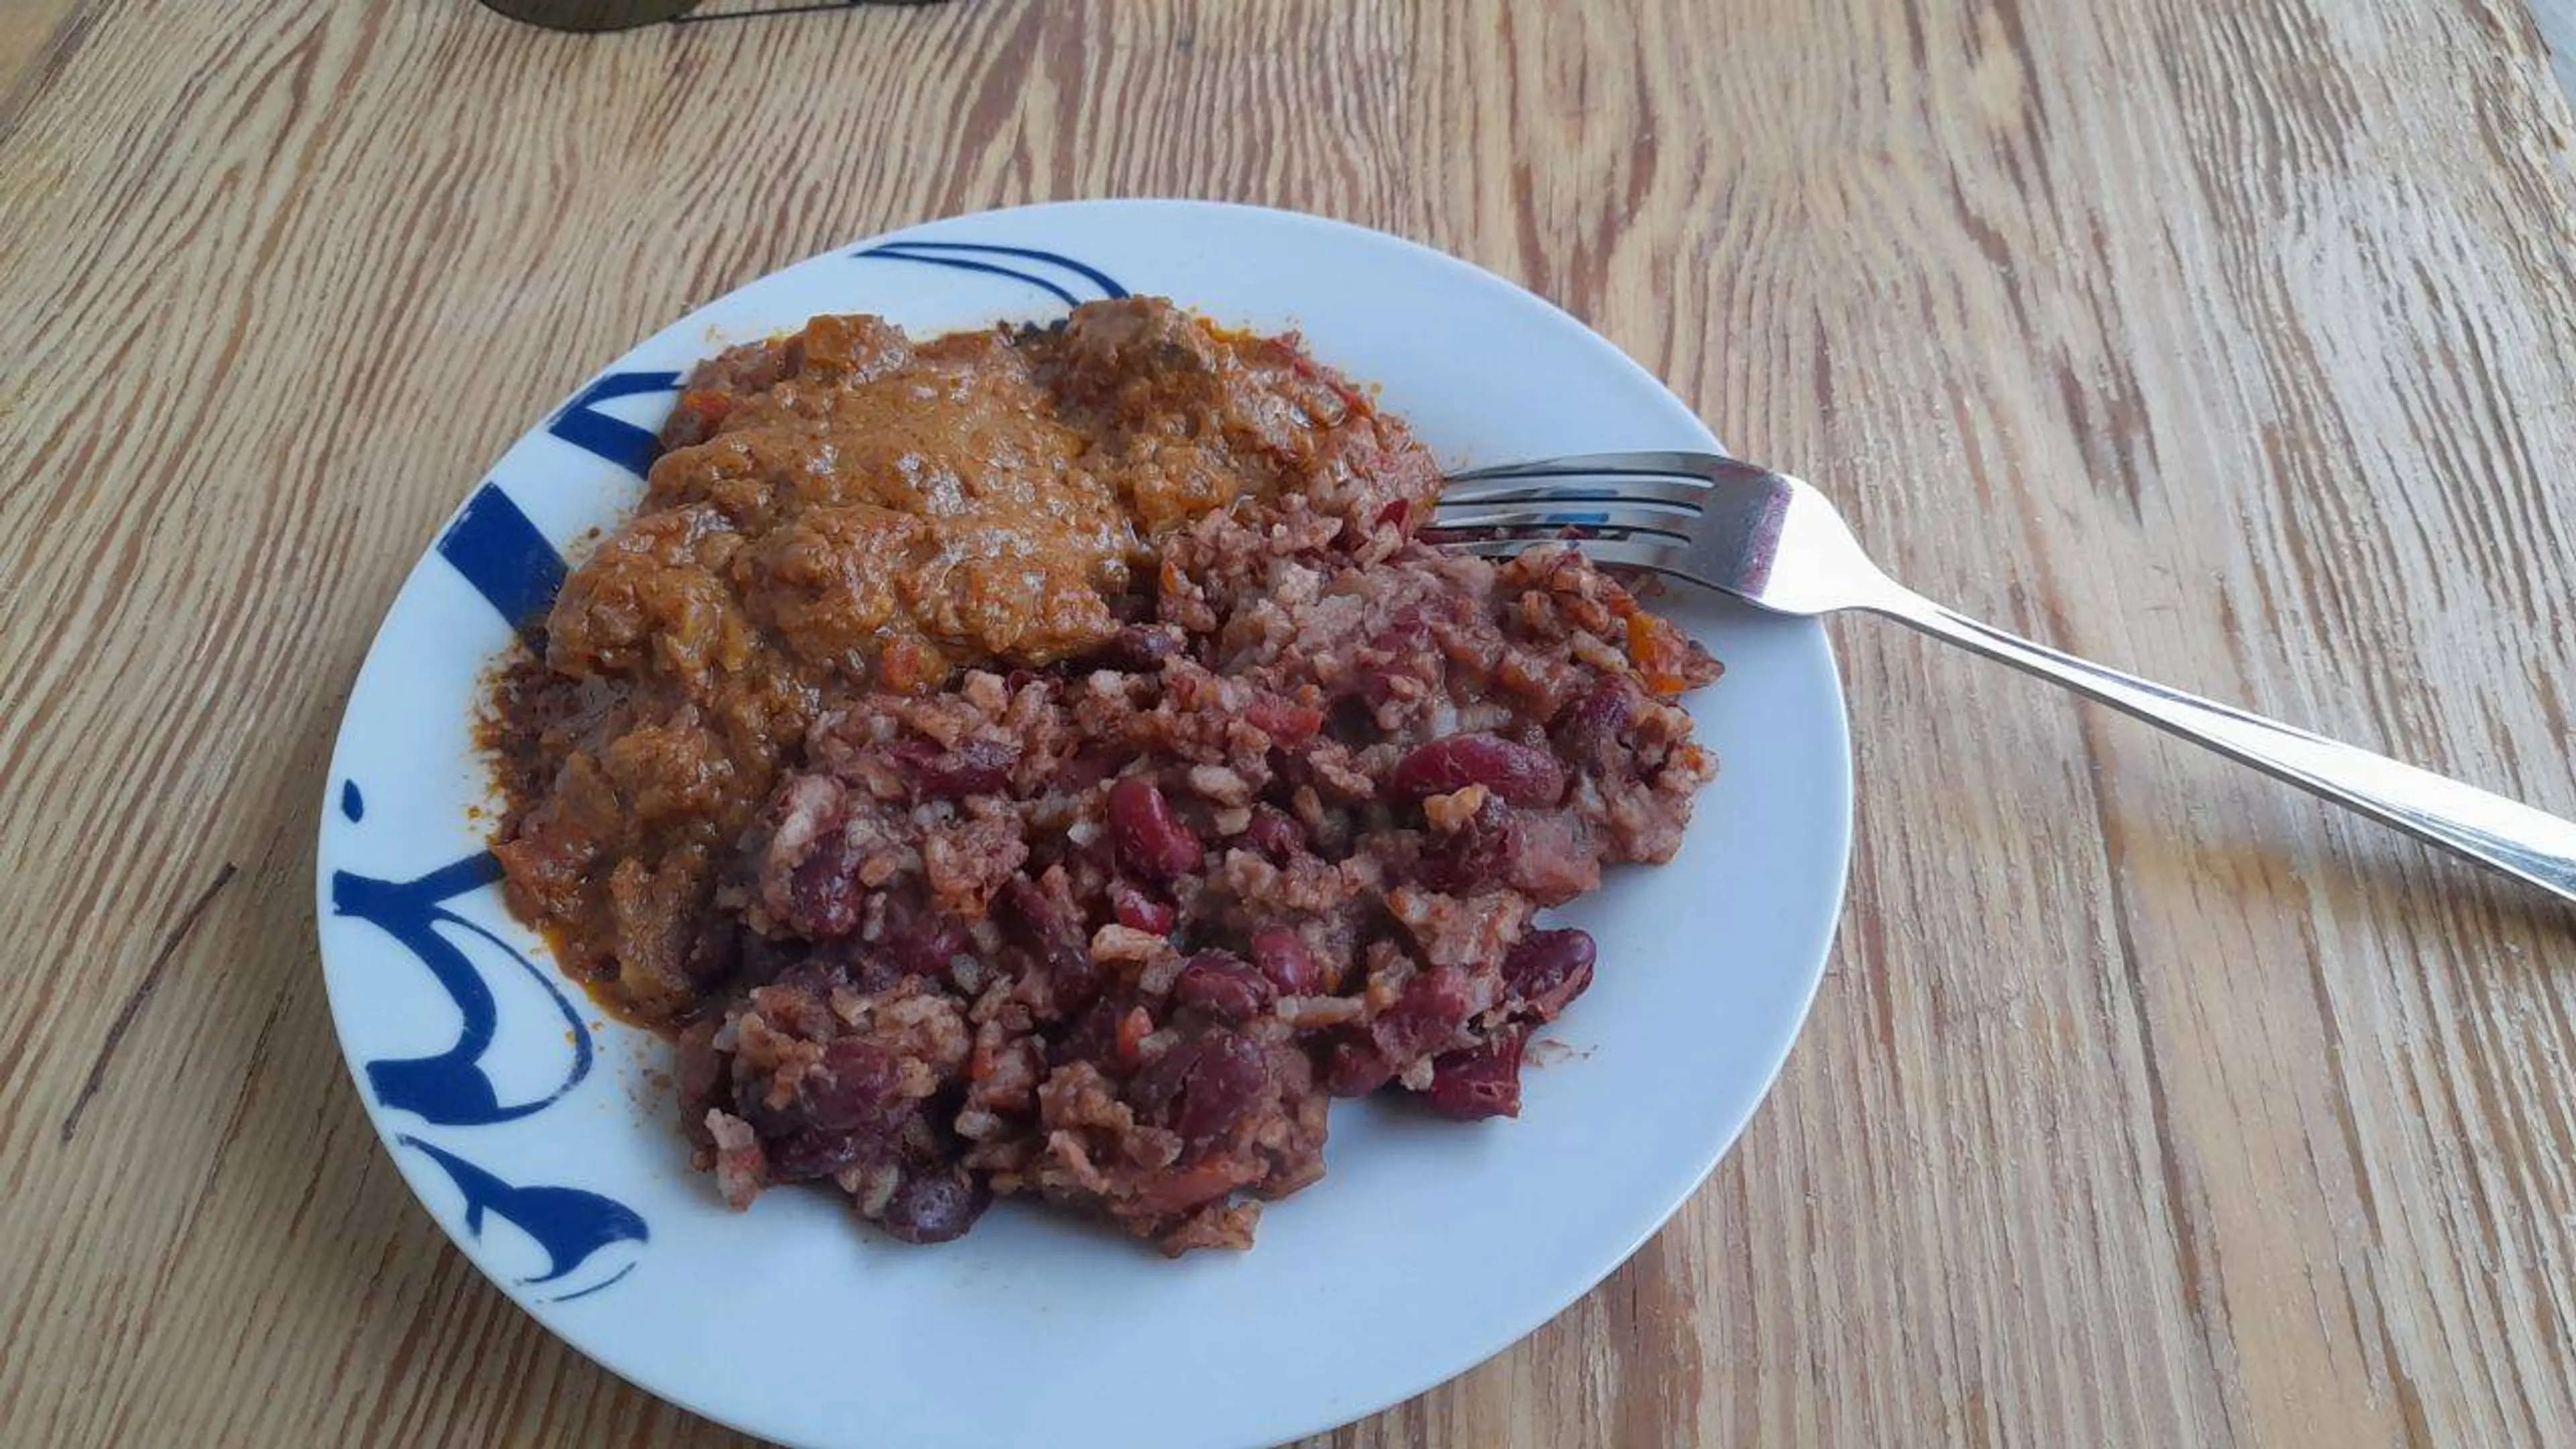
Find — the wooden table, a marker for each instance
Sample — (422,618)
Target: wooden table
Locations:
(2146,1102)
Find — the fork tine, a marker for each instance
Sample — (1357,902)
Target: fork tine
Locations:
(1632,510)
(1552,521)
(1616,552)
(1702,466)
(1685,498)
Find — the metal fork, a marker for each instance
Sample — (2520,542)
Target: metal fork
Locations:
(1776,542)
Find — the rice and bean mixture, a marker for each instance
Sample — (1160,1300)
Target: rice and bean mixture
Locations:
(1044,763)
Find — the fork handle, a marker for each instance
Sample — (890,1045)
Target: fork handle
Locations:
(2487,828)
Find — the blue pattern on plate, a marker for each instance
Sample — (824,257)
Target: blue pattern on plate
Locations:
(979,257)
(570,1225)
(451,1087)
(582,423)
(501,553)
(503,556)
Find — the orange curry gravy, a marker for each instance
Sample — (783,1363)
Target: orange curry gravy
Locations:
(845,509)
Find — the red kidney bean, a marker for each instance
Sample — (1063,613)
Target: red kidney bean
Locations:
(1482,851)
(822,895)
(934,1207)
(917,938)
(861,966)
(1284,958)
(799,1002)
(1482,1082)
(816,1153)
(1139,648)
(857,1085)
(1094,1037)
(1150,840)
(1202,1087)
(1034,917)
(1086,767)
(1224,986)
(1430,1012)
(1157,1089)
(1518,773)
(1275,834)
(1546,971)
(1057,943)
(1075,980)
(976,767)
(1355,1069)
(1589,729)
(1139,911)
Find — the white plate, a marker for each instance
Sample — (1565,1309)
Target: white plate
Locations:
(539,1136)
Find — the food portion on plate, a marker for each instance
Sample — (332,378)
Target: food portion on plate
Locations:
(1043,762)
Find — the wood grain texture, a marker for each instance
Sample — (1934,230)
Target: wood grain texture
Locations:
(2147,1102)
